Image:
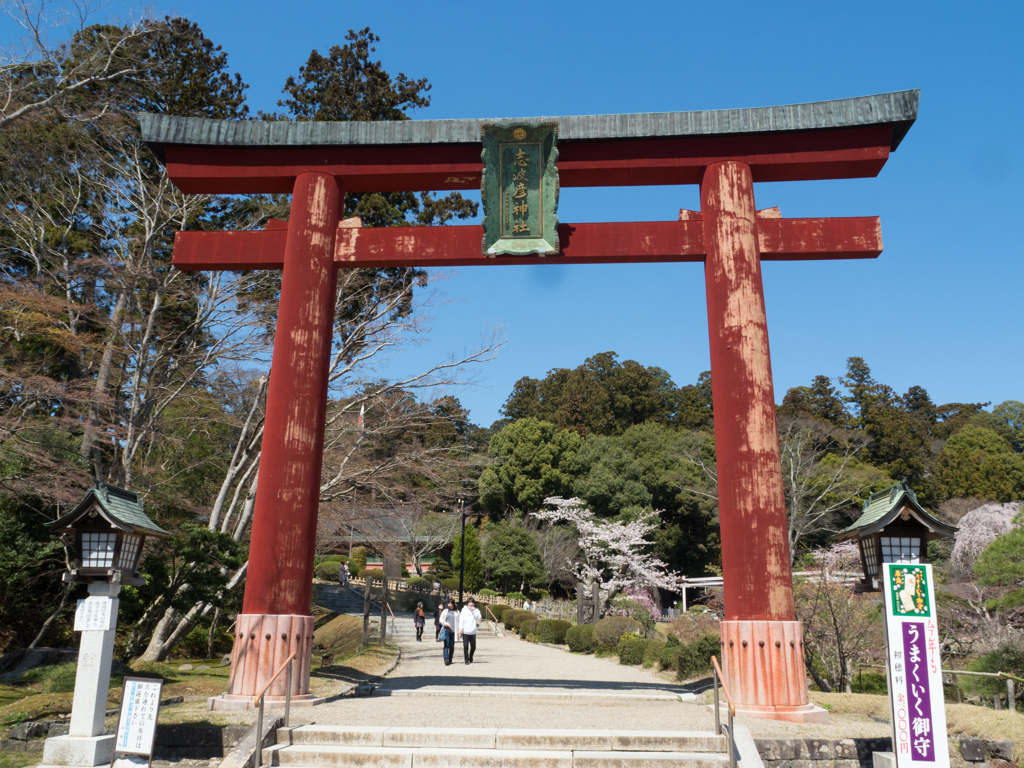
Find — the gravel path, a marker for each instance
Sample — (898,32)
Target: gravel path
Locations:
(515,684)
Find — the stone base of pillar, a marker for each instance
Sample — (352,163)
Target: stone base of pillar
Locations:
(82,751)
(262,643)
(763,664)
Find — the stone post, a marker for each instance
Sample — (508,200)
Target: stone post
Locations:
(85,744)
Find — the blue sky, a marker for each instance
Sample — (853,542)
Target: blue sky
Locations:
(940,308)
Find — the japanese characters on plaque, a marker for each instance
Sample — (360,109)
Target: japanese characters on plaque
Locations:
(136,722)
(94,613)
(915,669)
(519,189)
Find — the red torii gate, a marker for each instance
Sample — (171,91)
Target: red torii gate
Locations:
(724,151)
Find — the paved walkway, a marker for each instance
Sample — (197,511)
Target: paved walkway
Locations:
(515,684)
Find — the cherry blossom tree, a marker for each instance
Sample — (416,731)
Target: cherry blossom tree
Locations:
(613,555)
(978,529)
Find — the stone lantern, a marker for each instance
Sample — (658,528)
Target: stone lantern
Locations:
(893,528)
(109,526)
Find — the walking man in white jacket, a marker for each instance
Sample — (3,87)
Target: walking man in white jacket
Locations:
(468,618)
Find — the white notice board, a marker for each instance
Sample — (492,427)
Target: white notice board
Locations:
(93,613)
(915,669)
(136,721)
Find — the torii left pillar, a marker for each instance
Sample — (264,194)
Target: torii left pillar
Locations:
(275,620)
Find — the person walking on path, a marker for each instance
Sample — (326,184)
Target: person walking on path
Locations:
(450,629)
(468,618)
(419,618)
(437,619)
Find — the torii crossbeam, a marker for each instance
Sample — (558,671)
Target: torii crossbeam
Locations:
(723,151)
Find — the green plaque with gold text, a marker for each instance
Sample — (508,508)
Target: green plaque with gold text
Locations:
(519,189)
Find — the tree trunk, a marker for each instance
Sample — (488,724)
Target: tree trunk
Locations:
(596,600)
(822,684)
(581,599)
(53,616)
(160,634)
(366,612)
(384,614)
(847,676)
(211,638)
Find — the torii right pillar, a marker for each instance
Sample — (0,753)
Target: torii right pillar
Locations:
(762,642)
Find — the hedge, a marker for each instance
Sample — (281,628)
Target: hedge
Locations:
(652,653)
(452,584)
(419,583)
(510,617)
(499,609)
(694,658)
(487,592)
(516,596)
(580,638)
(610,629)
(552,630)
(631,648)
(371,573)
(521,617)
(527,628)
(328,571)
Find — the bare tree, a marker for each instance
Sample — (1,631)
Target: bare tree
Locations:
(841,627)
(39,74)
(821,476)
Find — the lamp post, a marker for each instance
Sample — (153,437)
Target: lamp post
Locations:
(110,527)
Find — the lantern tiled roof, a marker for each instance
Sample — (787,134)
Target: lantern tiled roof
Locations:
(882,507)
(120,507)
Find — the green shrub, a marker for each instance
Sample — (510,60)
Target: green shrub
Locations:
(631,648)
(667,660)
(521,617)
(580,638)
(509,616)
(451,584)
(498,609)
(328,571)
(488,592)
(552,630)
(652,652)
(371,573)
(528,627)
(610,629)
(419,583)
(697,609)
(543,594)
(357,561)
(694,658)
(335,559)
(516,596)
(871,682)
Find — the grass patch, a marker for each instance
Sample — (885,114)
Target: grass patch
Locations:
(342,634)
(961,719)
(18,759)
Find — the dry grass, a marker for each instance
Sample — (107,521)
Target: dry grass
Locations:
(961,719)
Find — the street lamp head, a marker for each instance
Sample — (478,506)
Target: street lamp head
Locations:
(110,527)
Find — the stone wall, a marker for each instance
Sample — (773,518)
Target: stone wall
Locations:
(857,753)
(173,742)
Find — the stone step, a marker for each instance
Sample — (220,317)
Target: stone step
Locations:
(446,757)
(594,740)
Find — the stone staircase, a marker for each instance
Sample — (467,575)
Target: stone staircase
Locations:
(317,746)
(339,599)
(402,627)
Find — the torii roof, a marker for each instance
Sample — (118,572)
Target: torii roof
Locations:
(882,508)
(121,508)
(897,109)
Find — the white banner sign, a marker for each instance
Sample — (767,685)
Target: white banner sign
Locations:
(915,669)
(136,723)
(94,613)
